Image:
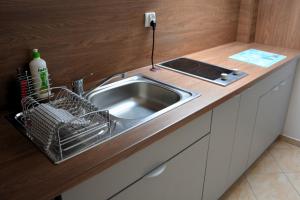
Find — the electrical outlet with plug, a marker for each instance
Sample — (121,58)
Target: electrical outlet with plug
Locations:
(149,16)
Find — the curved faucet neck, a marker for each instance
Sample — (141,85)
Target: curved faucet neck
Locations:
(108,79)
(78,84)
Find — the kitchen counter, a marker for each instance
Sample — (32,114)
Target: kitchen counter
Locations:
(26,173)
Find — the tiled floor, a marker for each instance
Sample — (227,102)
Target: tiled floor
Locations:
(275,176)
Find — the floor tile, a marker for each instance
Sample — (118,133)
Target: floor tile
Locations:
(287,159)
(274,176)
(272,187)
(240,191)
(294,180)
(266,164)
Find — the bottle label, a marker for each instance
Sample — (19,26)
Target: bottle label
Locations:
(44,78)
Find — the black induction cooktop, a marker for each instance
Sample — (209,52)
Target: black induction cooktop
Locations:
(212,73)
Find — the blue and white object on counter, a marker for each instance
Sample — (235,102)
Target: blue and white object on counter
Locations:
(258,57)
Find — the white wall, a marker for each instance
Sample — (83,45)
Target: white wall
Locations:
(292,124)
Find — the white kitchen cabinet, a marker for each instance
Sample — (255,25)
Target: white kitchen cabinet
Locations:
(220,148)
(116,178)
(241,129)
(270,117)
(248,117)
(179,178)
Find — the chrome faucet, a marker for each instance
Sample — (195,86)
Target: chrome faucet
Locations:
(78,84)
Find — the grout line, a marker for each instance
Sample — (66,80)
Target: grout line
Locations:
(268,151)
(285,174)
(274,158)
(280,172)
(246,178)
(255,196)
(275,161)
(293,186)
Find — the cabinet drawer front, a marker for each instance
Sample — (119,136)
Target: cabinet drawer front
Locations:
(122,174)
(180,178)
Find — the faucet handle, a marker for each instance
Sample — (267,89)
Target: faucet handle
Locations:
(78,87)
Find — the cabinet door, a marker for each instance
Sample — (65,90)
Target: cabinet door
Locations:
(220,148)
(283,99)
(244,132)
(265,124)
(180,178)
(270,119)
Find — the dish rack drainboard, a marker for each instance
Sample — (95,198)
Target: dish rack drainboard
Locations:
(63,124)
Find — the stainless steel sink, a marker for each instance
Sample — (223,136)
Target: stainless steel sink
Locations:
(136,100)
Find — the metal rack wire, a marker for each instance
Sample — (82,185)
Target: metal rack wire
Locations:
(61,123)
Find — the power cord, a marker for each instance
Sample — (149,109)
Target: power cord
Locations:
(153,25)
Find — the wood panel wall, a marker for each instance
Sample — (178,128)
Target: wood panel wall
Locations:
(278,23)
(104,37)
(247,21)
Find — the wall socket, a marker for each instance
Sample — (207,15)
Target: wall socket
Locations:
(149,16)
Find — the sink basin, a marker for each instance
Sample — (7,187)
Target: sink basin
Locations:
(136,100)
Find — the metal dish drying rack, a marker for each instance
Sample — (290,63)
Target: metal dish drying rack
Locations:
(61,123)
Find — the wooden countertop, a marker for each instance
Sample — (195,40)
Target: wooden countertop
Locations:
(25,173)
